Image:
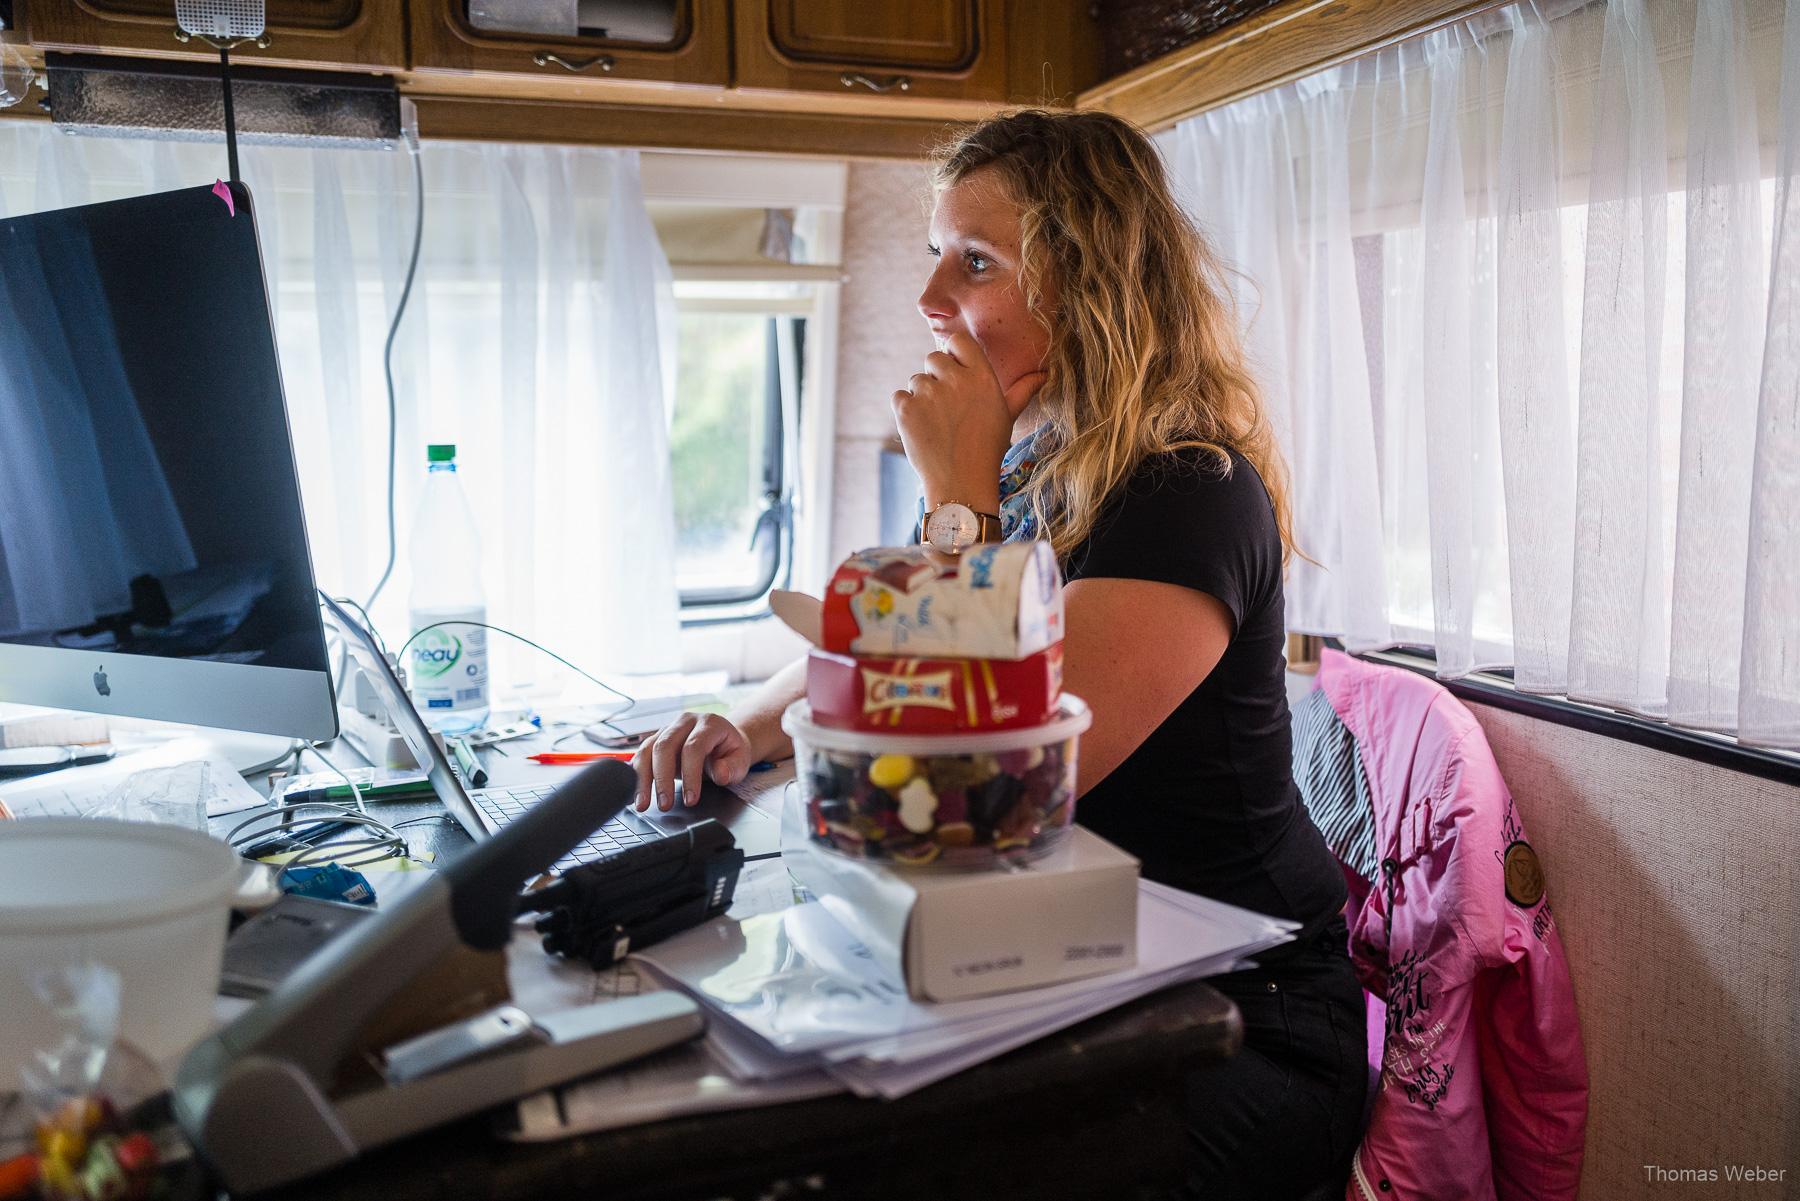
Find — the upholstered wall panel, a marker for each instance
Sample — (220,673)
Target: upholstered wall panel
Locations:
(1676,886)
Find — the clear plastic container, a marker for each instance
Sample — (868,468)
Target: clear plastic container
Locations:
(149,902)
(448,665)
(956,801)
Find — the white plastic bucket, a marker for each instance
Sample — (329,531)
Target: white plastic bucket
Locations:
(150,902)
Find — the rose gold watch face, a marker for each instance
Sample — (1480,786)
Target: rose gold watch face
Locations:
(952,528)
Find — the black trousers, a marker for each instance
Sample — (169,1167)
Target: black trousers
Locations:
(1282,1117)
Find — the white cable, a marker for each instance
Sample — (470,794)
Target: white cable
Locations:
(355,792)
(384,842)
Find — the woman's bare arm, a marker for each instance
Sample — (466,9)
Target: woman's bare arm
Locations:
(1134,650)
(759,714)
(723,748)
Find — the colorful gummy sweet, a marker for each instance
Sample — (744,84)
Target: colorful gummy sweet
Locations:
(919,854)
(918,806)
(956,834)
(891,772)
(910,809)
(1017,763)
(18,1177)
(952,807)
(82,1157)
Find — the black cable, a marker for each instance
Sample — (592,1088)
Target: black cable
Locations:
(401,654)
(387,365)
(230,116)
(368,622)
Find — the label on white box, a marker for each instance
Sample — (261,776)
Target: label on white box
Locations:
(950,936)
(1069,915)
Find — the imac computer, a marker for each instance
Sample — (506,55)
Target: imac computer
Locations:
(153,555)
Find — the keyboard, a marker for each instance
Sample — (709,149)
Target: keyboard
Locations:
(505,805)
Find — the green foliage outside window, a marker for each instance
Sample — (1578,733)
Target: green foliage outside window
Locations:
(716,445)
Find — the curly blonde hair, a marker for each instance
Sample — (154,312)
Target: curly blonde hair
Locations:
(1144,353)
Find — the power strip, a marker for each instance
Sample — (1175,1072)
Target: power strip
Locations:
(376,739)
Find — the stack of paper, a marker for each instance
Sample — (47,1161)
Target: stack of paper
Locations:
(681,1080)
(159,768)
(792,993)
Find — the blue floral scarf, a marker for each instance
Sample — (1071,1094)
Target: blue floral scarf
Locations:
(1017,522)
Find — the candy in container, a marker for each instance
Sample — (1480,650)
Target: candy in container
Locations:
(942,800)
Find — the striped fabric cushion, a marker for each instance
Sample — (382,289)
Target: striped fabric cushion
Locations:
(1330,776)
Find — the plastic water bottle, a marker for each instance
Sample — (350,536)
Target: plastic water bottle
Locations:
(448,664)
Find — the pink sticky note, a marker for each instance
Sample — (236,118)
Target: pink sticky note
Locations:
(224,193)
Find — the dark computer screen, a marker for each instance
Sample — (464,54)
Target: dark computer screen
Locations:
(148,497)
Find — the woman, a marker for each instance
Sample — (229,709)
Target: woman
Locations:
(1073,302)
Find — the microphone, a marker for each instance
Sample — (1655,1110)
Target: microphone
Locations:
(222,20)
(224,24)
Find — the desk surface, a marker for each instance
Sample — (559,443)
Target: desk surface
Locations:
(1084,1113)
(1095,1111)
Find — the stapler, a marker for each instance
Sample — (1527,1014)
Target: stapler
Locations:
(326,1066)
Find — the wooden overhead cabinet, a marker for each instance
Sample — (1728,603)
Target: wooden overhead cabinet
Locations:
(903,49)
(447,45)
(367,35)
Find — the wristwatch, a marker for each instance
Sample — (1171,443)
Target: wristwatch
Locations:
(953,527)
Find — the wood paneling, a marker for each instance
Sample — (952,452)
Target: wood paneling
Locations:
(901,50)
(616,92)
(1052,51)
(673,128)
(356,34)
(1292,39)
(917,34)
(1040,52)
(443,41)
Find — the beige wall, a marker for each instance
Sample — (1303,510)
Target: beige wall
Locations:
(882,340)
(1677,890)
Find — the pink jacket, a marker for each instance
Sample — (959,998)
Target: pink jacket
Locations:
(1483,1081)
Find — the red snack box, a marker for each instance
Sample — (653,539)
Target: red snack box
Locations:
(881,694)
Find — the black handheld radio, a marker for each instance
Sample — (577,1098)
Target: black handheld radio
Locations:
(601,912)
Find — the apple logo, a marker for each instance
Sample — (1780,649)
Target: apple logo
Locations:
(100,684)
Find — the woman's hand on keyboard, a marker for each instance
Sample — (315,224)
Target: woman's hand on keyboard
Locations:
(692,744)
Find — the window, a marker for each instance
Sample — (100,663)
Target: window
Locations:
(527,343)
(737,385)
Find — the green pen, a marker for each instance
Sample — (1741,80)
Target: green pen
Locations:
(472,773)
(394,786)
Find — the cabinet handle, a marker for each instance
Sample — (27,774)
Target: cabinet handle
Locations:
(893,83)
(184,37)
(544,58)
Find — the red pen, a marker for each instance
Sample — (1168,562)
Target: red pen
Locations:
(559,758)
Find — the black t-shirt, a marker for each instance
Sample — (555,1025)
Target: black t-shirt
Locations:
(1207,803)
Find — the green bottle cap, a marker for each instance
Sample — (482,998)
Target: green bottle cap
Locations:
(441,452)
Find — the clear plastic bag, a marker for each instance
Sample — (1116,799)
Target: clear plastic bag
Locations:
(15,76)
(71,1132)
(175,795)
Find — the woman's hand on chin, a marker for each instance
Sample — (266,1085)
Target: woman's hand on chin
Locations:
(956,421)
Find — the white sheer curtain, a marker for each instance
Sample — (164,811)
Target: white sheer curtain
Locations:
(539,338)
(1522,297)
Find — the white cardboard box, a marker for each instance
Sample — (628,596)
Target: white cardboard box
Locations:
(951,935)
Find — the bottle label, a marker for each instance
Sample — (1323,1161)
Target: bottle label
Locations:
(437,654)
(449,666)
